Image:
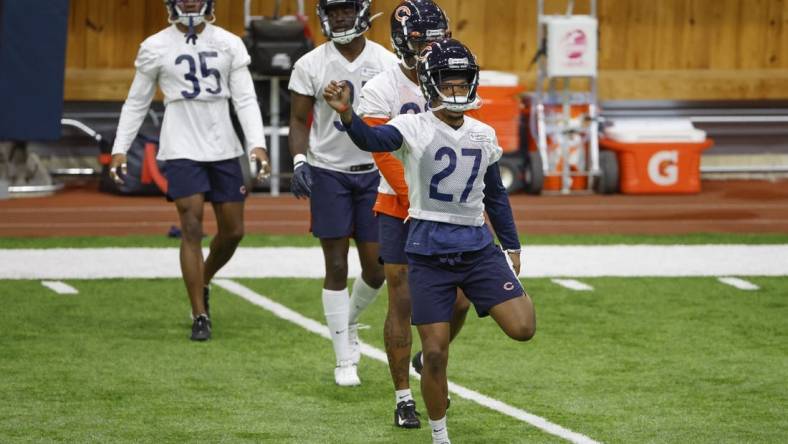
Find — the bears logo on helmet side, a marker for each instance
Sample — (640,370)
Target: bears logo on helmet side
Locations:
(179,12)
(445,59)
(414,23)
(360,25)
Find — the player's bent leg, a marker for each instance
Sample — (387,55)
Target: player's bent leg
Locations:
(230,232)
(371,269)
(516,317)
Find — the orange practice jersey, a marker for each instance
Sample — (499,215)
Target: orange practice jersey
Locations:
(392,170)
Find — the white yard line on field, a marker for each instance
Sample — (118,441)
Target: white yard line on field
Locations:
(573,284)
(538,262)
(741,284)
(59,287)
(313,326)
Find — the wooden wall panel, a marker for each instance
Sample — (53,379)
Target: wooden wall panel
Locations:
(740,47)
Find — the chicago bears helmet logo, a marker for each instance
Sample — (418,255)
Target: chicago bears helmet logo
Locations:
(427,50)
(402,14)
(509,286)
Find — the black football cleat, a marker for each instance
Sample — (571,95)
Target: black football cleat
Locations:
(201,328)
(406,415)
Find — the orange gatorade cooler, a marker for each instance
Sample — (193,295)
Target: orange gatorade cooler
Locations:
(657,156)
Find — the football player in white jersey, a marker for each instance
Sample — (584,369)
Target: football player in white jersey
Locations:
(414,23)
(340,180)
(453,177)
(199,68)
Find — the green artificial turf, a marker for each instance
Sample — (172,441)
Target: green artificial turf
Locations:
(257,240)
(635,360)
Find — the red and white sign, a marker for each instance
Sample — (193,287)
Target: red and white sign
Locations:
(571,46)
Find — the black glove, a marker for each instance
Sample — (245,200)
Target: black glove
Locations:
(301,185)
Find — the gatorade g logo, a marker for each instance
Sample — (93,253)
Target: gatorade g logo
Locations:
(663,168)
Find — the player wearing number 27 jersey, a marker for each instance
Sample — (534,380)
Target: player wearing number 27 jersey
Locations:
(451,170)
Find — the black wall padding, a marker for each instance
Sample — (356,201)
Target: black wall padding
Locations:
(32,66)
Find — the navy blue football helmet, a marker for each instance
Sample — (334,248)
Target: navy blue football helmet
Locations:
(415,23)
(449,59)
(177,14)
(360,26)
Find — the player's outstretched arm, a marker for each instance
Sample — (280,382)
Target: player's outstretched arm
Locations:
(499,209)
(381,139)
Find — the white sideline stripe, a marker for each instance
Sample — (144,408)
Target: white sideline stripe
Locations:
(315,327)
(59,287)
(741,284)
(538,262)
(573,284)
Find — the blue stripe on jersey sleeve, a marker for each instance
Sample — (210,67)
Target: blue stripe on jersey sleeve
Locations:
(380,139)
(496,202)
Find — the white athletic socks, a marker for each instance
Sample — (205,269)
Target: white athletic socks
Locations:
(403,395)
(439,433)
(335,307)
(361,296)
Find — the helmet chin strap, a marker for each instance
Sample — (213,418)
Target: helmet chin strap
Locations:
(445,104)
(344,39)
(191,35)
(192,21)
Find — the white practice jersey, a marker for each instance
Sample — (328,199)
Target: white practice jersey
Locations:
(197,82)
(445,168)
(329,145)
(386,96)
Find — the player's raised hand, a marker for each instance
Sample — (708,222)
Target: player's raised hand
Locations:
(118,162)
(260,157)
(337,95)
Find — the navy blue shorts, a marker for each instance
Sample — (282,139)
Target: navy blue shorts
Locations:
(341,205)
(484,276)
(220,181)
(393,237)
